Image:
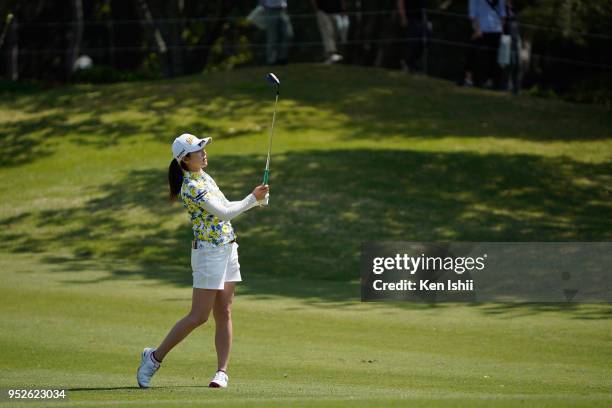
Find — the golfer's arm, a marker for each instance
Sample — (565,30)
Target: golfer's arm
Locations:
(231,210)
(230,203)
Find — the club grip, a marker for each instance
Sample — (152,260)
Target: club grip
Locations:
(265,177)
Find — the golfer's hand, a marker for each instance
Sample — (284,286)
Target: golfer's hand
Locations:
(260,192)
(265,201)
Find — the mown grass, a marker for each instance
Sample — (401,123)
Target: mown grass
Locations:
(94,260)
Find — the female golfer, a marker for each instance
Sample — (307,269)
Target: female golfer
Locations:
(214,255)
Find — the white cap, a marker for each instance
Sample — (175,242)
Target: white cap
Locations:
(187,143)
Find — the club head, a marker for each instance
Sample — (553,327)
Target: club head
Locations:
(273,79)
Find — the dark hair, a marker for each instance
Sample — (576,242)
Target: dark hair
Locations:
(175,178)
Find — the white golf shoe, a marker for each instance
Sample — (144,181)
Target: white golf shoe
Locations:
(219,380)
(148,367)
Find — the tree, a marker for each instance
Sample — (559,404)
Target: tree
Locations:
(154,33)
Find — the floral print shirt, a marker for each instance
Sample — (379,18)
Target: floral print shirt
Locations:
(197,189)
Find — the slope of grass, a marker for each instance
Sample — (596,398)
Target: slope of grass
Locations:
(95,262)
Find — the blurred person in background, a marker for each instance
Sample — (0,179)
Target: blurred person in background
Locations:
(413,20)
(333,25)
(487,17)
(511,28)
(279,31)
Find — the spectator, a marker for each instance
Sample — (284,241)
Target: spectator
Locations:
(487,18)
(332,25)
(413,19)
(512,29)
(278,31)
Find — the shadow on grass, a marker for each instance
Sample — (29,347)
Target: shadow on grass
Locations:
(324,204)
(363,103)
(103,389)
(87,389)
(593,311)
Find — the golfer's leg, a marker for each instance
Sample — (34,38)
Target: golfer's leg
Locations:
(223,324)
(202,302)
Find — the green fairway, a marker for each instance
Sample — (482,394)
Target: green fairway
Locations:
(94,261)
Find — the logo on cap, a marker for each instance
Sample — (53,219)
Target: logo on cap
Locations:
(189,139)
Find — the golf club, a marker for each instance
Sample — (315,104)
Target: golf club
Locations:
(273,80)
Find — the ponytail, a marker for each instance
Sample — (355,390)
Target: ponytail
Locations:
(175,179)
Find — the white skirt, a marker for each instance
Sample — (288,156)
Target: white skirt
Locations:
(213,266)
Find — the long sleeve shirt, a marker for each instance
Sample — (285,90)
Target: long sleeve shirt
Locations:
(210,211)
(488,20)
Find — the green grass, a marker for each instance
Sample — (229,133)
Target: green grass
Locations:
(95,263)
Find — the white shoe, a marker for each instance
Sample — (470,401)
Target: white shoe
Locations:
(219,380)
(148,367)
(336,58)
(332,59)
